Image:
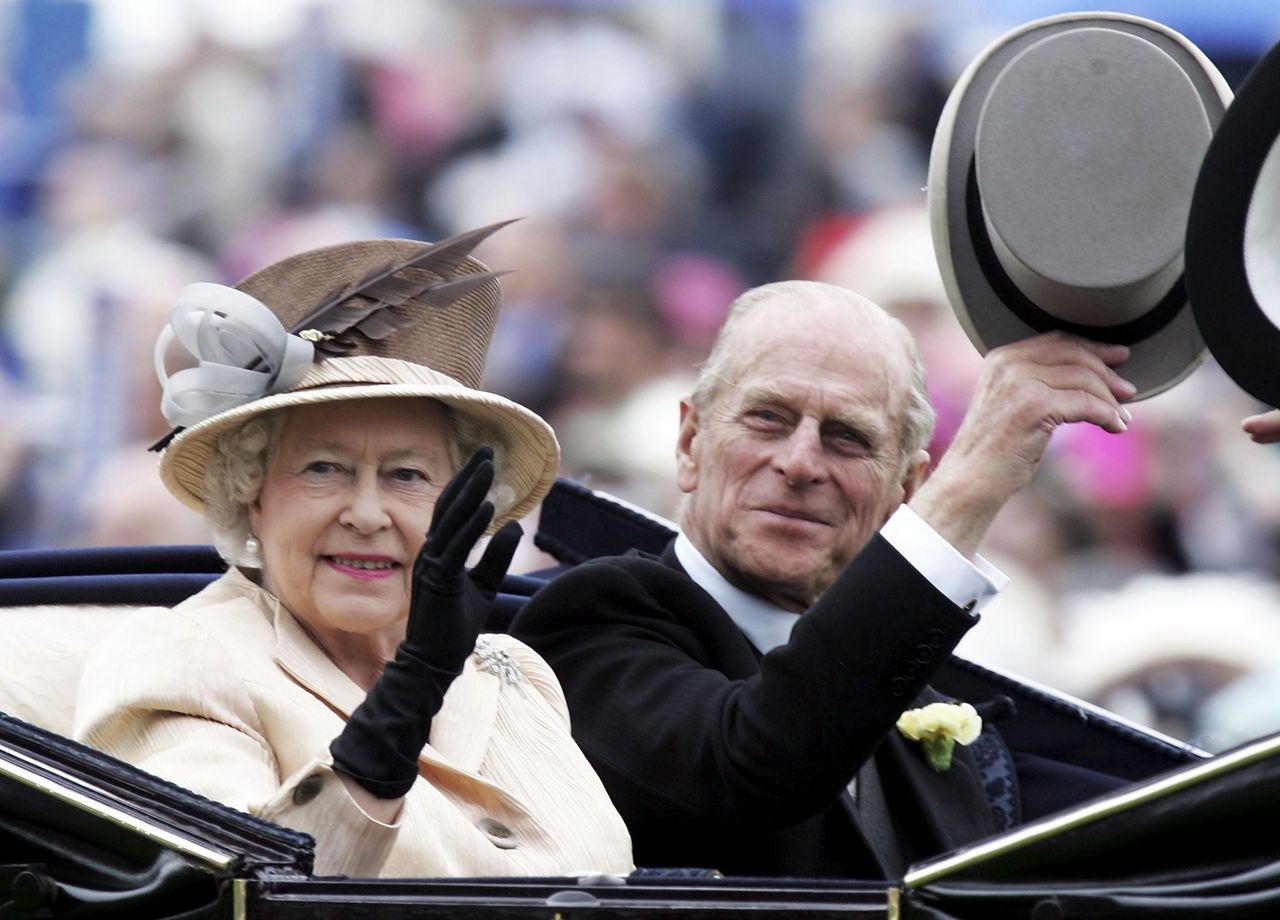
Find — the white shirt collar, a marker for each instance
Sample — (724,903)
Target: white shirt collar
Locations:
(766,625)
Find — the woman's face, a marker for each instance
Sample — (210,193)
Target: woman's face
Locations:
(345,505)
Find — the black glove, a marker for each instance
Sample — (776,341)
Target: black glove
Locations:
(379,747)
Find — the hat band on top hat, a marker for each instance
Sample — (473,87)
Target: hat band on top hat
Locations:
(1041,320)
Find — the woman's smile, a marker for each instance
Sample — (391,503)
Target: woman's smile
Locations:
(366,567)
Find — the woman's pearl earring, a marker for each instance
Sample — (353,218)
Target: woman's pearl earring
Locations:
(252,547)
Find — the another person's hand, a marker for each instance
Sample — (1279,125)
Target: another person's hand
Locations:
(1027,389)
(1264,428)
(379,747)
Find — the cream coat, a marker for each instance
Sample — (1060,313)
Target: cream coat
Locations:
(228,696)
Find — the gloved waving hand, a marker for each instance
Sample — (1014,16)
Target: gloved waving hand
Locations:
(379,747)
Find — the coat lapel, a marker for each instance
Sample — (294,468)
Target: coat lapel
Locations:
(868,808)
(953,805)
(897,787)
(304,661)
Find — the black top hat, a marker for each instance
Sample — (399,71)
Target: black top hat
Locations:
(1233,236)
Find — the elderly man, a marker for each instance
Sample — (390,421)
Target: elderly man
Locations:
(738,694)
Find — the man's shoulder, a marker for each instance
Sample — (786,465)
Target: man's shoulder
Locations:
(636,568)
(635,584)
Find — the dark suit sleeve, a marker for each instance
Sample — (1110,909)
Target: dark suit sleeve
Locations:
(682,734)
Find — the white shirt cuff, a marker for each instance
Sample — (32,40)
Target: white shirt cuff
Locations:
(967,584)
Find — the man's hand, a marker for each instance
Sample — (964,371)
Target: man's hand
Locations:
(1263,428)
(1027,389)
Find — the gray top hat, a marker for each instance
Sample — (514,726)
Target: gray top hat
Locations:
(1059,184)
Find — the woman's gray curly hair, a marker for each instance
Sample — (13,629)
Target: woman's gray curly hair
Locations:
(233,476)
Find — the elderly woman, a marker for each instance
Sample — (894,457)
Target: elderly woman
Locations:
(334,680)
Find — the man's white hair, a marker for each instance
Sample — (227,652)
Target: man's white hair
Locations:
(721,370)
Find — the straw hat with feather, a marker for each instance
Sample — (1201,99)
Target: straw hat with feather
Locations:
(369,319)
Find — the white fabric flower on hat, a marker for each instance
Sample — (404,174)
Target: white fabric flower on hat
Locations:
(244,353)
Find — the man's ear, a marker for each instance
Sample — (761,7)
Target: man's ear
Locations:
(916,473)
(686,447)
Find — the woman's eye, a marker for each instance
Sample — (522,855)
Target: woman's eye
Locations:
(409,474)
(323,467)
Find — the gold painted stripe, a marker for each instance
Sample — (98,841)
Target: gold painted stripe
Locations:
(1113,804)
(217,858)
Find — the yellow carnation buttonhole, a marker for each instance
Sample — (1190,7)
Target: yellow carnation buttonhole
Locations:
(939,727)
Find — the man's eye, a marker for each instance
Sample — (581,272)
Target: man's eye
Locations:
(767,416)
(849,439)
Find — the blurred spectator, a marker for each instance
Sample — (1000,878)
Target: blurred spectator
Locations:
(1156,649)
(82,317)
(615,429)
(123,504)
(540,281)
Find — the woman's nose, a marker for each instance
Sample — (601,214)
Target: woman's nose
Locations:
(365,511)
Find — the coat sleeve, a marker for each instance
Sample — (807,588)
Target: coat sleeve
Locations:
(678,741)
(162,694)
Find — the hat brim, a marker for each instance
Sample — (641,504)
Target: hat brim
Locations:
(1165,344)
(1241,335)
(532,453)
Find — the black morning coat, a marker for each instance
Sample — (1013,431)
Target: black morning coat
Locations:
(719,757)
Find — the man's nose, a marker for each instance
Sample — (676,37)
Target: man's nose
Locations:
(800,459)
(366,509)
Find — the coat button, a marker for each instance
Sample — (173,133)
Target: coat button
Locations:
(308,789)
(499,834)
(899,686)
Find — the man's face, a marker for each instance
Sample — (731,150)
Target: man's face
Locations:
(797,461)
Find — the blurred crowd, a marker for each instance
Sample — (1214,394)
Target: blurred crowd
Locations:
(663,157)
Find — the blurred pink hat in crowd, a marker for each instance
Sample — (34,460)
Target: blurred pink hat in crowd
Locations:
(693,291)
